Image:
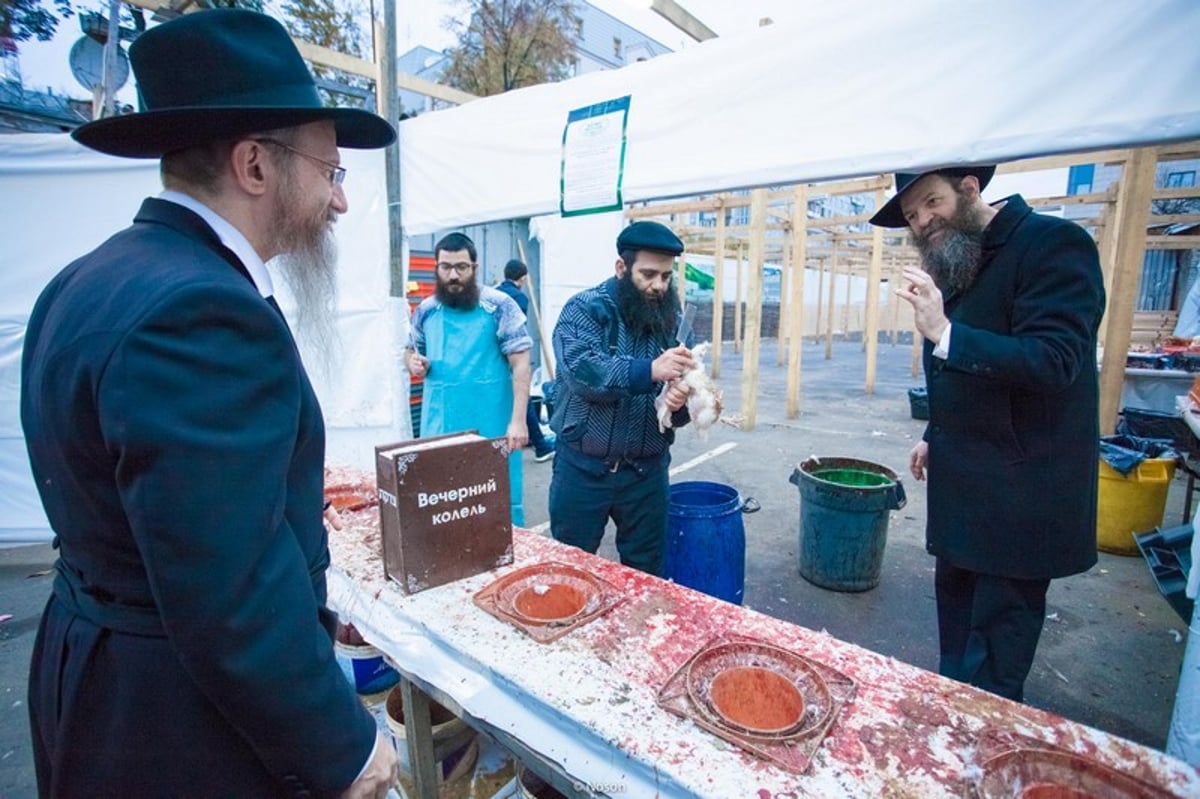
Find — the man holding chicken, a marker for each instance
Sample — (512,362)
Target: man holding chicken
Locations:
(616,351)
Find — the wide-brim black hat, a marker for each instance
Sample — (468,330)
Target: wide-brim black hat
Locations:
(891,215)
(220,73)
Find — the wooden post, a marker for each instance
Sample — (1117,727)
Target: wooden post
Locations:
(874,275)
(894,301)
(681,275)
(754,297)
(1108,254)
(833,252)
(796,339)
(1130,218)
(718,323)
(820,298)
(418,731)
(846,305)
(737,304)
(785,264)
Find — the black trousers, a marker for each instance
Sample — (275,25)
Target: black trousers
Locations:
(583,498)
(988,628)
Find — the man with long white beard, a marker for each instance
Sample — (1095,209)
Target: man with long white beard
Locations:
(1008,303)
(178,446)
(471,346)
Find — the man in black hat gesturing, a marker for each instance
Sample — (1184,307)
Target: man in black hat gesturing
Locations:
(178,446)
(1008,302)
(616,349)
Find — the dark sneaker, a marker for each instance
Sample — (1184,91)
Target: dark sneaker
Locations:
(544,455)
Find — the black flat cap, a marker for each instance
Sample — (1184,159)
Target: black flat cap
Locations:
(649,236)
(891,215)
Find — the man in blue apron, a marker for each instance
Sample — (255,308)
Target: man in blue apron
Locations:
(470,344)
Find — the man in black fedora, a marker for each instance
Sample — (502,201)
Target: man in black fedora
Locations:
(178,446)
(1008,302)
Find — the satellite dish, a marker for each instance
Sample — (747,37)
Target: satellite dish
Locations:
(87,64)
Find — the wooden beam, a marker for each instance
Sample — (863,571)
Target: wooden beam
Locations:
(784,303)
(754,298)
(796,340)
(1132,212)
(718,298)
(1173,242)
(874,279)
(346,63)
(737,301)
(829,315)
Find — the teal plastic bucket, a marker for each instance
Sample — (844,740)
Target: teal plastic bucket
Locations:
(706,541)
(844,505)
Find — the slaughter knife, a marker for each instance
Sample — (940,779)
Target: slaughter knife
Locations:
(685,324)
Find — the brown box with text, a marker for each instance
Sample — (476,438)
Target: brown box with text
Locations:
(444,510)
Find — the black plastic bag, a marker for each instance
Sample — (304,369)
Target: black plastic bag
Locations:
(1125,453)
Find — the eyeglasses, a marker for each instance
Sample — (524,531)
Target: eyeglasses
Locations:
(336,173)
(460,268)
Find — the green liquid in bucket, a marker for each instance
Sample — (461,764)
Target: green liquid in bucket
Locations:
(856,478)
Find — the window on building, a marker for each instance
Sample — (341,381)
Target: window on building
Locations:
(1181,180)
(1080,177)
(617,46)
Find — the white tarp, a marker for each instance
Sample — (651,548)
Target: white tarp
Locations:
(61,200)
(845,89)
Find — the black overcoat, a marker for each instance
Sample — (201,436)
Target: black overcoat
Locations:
(1013,427)
(178,448)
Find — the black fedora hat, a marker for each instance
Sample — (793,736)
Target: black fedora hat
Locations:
(218,73)
(891,215)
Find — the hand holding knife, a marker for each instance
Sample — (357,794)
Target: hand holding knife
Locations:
(674,362)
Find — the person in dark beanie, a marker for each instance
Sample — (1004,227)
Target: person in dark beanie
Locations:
(515,275)
(616,350)
(1008,302)
(178,447)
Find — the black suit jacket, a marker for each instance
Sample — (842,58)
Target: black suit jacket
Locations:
(178,447)
(1013,412)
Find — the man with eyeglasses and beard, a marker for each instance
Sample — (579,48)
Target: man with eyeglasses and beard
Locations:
(616,350)
(1008,302)
(178,446)
(470,344)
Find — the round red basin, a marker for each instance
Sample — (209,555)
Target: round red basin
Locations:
(756,699)
(550,601)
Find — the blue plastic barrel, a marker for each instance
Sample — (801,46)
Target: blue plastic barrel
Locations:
(706,541)
(844,506)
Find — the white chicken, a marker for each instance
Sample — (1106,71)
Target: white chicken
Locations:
(704,397)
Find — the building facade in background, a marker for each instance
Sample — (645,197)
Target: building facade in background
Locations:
(602,42)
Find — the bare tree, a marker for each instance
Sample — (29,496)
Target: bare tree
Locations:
(332,24)
(507,44)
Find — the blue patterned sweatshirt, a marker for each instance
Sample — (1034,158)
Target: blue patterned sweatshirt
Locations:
(603,393)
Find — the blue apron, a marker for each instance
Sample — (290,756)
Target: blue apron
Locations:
(469,384)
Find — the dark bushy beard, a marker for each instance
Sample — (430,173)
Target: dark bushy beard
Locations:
(644,316)
(308,264)
(954,261)
(464,300)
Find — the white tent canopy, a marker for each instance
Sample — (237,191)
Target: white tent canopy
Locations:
(61,200)
(844,89)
